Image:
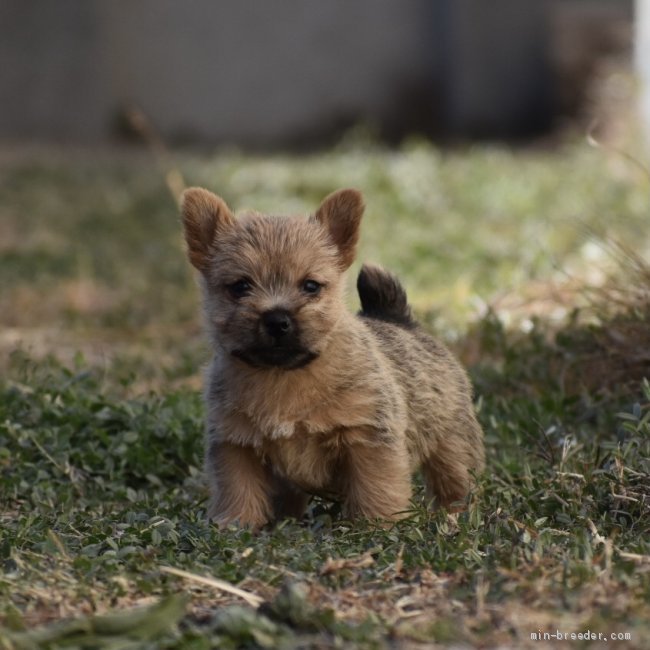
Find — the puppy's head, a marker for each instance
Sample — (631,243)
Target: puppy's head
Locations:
(272,285)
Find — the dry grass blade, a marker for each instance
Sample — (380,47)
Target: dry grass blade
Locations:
(594,142)
(635,557)
(608,346)
(332,565)
(252,599)
(631,290)
(141,124)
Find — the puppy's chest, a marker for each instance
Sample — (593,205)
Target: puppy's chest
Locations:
(256,420)
(304,451)
(261,430)
(306,459)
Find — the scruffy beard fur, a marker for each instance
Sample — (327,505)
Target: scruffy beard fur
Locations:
(304,397)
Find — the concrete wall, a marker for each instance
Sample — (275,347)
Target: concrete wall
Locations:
(239,71)
(53,78)
(258,72)
(642,61)
(497,72)
(287,72)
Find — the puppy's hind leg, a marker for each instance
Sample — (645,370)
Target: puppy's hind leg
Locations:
(448,469)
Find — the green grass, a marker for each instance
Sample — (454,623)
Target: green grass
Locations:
(101,416)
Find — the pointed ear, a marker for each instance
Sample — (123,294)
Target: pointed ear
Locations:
(205,216)
(340,213)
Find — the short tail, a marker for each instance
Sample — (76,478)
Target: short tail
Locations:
(383,297)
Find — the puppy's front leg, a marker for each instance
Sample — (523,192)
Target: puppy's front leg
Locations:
(378,480)
(240,486)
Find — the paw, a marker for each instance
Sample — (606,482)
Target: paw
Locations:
(253,520)
(388,513)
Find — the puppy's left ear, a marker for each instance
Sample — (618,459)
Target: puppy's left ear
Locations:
(340,213)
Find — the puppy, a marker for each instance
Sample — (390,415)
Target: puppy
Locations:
(304,397)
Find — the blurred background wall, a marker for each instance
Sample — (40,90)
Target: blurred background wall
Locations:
(642,59)
(301,72)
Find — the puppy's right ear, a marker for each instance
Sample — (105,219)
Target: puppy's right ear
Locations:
(205,216)
(340,213)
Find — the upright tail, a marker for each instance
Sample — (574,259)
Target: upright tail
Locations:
(383,297)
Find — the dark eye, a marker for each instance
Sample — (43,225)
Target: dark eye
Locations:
(311,287)
(240,288)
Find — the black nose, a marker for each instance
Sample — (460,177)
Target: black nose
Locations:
(277,322)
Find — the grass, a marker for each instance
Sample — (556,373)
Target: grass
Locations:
(101,416)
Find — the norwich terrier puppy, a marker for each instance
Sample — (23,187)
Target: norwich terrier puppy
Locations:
(304,397)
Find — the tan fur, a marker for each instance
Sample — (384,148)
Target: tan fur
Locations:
(204,216)
(340,213)
(354,406)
